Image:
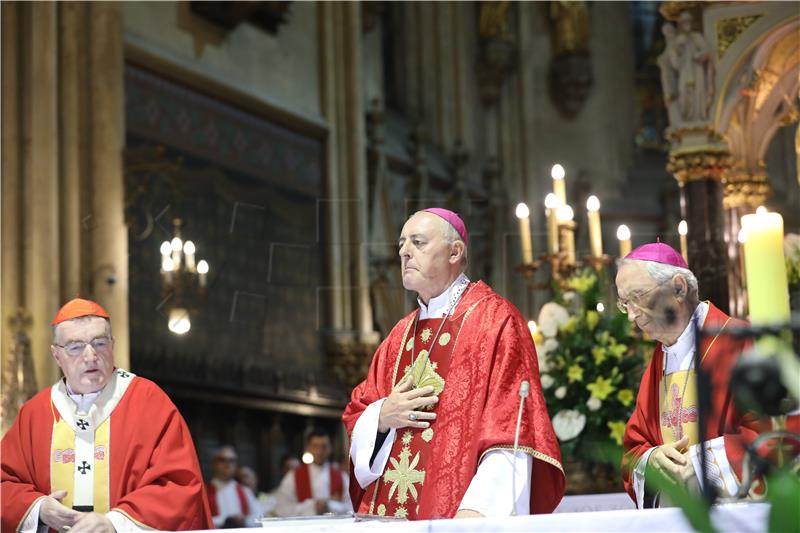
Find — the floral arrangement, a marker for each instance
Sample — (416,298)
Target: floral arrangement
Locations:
(791,250)
(590,367)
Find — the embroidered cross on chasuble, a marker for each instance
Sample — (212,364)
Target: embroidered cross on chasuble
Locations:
(678,407)
(425,359)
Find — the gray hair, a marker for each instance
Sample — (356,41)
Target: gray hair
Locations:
(451,236)
(82,319)
(662,273)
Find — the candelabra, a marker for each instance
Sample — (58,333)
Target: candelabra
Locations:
(184,281)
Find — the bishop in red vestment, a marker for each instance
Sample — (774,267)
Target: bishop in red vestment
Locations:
(660,294)
(101,449)
(433,424)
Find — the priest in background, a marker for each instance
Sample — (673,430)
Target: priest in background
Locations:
(232,504)
(432,426)
(660,295)
(102,450)
(316,488)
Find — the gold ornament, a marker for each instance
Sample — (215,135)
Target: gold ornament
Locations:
(404,476)
(426,335)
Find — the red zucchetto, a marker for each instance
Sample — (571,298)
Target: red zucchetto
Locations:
(77,308)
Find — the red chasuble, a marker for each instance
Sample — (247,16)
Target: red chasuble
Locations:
(719,354)
(153,473)
(476,365)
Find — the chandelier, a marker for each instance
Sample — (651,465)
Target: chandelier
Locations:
(183,279)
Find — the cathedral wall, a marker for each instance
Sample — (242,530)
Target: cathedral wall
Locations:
(280,70)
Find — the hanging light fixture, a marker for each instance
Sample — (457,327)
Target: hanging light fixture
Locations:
(181,276)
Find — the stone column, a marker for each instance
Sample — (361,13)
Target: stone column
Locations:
(62,93)
(109,236)
(347,191)
(699,166)
(11,187)
(40,176)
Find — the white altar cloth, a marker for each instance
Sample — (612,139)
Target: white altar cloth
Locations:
(740,517)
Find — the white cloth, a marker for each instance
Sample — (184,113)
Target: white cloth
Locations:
(441,305)
(720,472)
(228,503)
(489,492)
(83,404)
(680,357)
(320,477)
(740,517)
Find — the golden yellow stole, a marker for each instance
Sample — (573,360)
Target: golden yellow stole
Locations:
(678,407)
(63,464)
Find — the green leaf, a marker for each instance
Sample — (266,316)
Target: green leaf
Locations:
(783,492)
(694,507)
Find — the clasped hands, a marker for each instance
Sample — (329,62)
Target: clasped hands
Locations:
(404,401)
(61,518)
(673,460)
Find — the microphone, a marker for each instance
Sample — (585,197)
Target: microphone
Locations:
(524,390)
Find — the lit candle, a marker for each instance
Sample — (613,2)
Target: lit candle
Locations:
(559,183)
(565,216)
(523,214)
(188,251)
(202,271)
(595,232)
(624,236)
(166,250)
(177,245)
(767,287)
(179,322)
(551,202)
(167,266)
(683,229)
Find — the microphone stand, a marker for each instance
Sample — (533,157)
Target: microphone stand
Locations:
(703,409)
(524,390)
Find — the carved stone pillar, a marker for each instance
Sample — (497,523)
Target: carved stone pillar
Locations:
(62,193)
(699,171)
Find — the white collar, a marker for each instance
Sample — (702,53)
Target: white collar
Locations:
(443,304)
(679,356)
(83,402)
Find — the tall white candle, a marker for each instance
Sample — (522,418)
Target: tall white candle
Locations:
(624,236)
(559,182)
(595,230)
(523,214)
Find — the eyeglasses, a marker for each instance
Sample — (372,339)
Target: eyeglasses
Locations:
(76,348)
(226,459)
(623,303)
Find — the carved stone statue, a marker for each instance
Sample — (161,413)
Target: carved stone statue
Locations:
(570,26)
(692,60)
(668,62)
(570,73)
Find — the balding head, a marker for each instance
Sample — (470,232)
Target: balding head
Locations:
(432,255)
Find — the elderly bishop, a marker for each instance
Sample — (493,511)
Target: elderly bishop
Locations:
(102,450)
(659,294)
(433,424)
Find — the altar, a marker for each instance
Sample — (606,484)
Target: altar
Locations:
(740,517)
